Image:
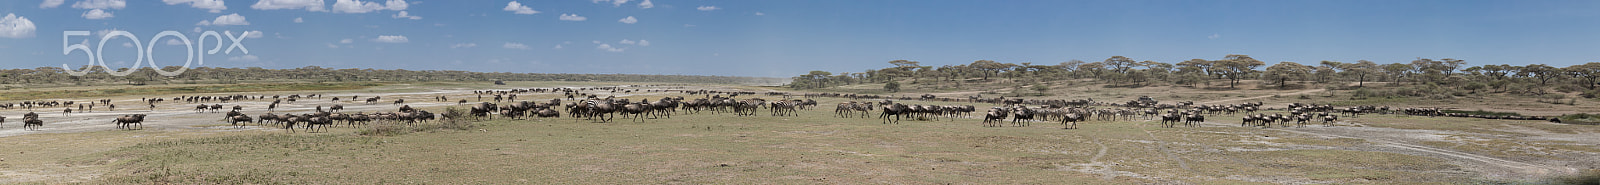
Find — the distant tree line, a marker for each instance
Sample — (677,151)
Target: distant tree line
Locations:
(97,75)
(1120,71)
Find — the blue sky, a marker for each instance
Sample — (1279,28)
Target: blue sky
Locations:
(787,38)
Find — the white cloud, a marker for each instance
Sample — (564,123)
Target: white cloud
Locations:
(510,45)
(97,14)
(637,43)
(230,19)
(391,39)
(405,15)
(216,6)
(299,20)
(618,3)
(607,47)
(175,42)
(197,29)
(100,4)
(330,45)
(573,17)
(707,8)
(347,41)
(245,58)
(254,34)
(558,46)
(1214,36)
(464,45)
(760,14)
(13,26)
(356,6)
(519,8)
(647,4)
(308,5)
(629,20)
(225,20)
(127,44)
(51,3)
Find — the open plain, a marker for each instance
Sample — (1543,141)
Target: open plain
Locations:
(179,145)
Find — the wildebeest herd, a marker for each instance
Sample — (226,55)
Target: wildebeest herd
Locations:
(582,105)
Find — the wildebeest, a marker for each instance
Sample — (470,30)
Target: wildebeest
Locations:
(240,118)
(128,121)
(1169,120)
(893,111)
(995,116)
(32,124)
(1070,120)
(1021,115)
(2,122)
(336,108)
(67,112)
(1328,120)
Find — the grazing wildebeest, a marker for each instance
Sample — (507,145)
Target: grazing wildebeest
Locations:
(1021,115)
(406,108)
(33,123)
(399,101)
(2,122)
(545,113)
(238,108)
(216,107)
(240,118)
(272,106)
(67,112)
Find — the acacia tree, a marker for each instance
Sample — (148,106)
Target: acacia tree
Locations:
(1396,71)
(1283,71)
(1327,69)
(988,67)
(1236,67)
(1158,70)
(1541,72)
(1361,69)
(1588,73)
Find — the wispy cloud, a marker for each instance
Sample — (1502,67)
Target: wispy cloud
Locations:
(518,8)
(391,39)
(573,17)
(707,8)
(629,20)
(512,45)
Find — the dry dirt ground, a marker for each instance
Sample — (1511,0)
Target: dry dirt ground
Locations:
(1368,149)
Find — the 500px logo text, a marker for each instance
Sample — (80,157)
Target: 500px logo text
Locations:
(96,56)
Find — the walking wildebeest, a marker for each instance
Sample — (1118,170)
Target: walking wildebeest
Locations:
(240,118)
(128,121)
